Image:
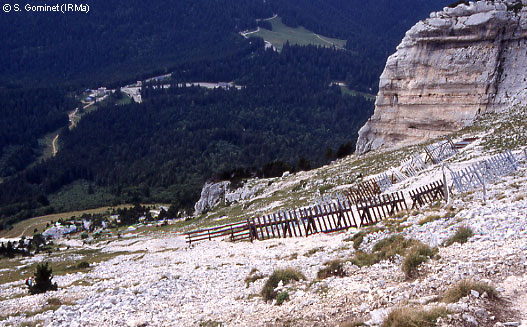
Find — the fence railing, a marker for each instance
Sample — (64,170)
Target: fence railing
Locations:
(481,172)
(362,204)
(440,151)
(427,194)
(326,216)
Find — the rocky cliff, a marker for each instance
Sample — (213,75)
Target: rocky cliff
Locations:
(448,69)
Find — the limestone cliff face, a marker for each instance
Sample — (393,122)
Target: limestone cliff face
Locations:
(449,68)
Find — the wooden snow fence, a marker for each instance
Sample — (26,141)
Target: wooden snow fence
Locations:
(380,207)
(482,172)
(440,151)
(323,217)
(235,232)
(363,190)
(427,194)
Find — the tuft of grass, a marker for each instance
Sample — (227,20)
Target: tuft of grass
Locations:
(353,323)
(54,301)
(210,323)
(358,238)
(428,219)
(414,317)
(384,249)
(416,256)
(282,297)
(463,288)
(313,251)
(253,276)
(284,275)
(332,268)
(461,236)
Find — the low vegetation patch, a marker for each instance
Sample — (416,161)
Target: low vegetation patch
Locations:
(429,219)
(282,297)
(211,323)
(414,317)
(332,268)
(384,249)
(284,275)
(252,277)
(353,323)
(313,251)
(358,238)
(463,288)
(461,236)
(416,256)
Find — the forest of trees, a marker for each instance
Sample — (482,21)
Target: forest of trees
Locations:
(287,115)
(26,115)
(164,149)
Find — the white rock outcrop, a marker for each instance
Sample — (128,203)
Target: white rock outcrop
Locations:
(213,193)
(448,69)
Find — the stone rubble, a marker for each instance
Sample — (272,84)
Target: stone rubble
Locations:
(163,282)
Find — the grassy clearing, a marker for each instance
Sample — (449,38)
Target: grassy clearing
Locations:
(461,236)
(463,288)
(284,275)
(413,317)
(300,36)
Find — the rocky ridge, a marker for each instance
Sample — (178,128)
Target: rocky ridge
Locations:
(457,64)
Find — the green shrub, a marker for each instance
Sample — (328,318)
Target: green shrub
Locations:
(464,287)
(282,297)
(461,236)
(284,275)
(417,255)
(413,317)
(42,282)
(333,268)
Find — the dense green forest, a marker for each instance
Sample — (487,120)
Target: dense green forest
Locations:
(164,149)
(286,116)
(119,40)
(28,114)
